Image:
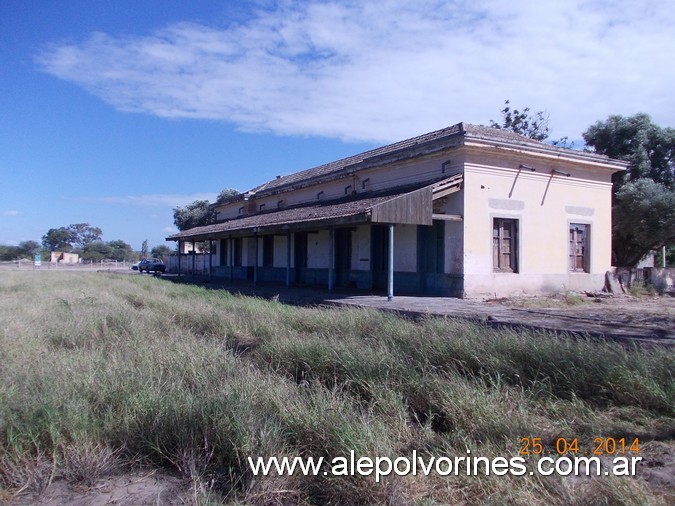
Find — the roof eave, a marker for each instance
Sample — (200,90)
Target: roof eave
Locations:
(427,148)
(353,219)
(548,151)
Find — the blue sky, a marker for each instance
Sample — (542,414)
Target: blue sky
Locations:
(114,112)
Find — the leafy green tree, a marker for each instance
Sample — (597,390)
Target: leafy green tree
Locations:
(226,194)
(144,249)
(8,253)
(96,251)
(643,220)
(83,234)
(25,249)
(29,248)
(196,214)
(535,126)
(120,250)
(649,148)
(161,251)
(57,239)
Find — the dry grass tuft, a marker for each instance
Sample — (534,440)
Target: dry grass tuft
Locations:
(100,371)
(84,464)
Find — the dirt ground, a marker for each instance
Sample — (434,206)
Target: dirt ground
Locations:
(645,320)
(146,487)
(156,487)
(655,314)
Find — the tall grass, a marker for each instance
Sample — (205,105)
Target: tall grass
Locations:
(100,372)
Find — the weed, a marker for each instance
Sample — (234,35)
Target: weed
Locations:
(638,289)
(84,463)
(100,371)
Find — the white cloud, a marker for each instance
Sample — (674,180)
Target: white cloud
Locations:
(151,200)
(11,212)
(388,69)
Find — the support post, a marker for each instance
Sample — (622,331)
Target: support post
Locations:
(194,254)
(390,264)
(179,252)
(255,263)
(230,251)
(331,255)
(210,258)
(288,259)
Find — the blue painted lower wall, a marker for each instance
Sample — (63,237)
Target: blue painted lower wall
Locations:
(414,283)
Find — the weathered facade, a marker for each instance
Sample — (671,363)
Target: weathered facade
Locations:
(464,211)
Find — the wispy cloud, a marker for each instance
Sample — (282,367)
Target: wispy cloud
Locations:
(150,200)
(387,69)
(11,212)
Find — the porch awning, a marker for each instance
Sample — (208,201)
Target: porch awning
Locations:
(410,206)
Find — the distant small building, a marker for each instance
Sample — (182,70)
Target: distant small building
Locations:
(61,257)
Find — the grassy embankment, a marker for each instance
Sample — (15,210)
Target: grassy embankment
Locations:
(100,372)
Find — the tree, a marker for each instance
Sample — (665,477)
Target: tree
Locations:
(83,234)
(649,149)
(8,253)
(226,194)
(144,249)
(196,214)
(161,251)
(120,250)
(643,220)
(521,122)
(29,248)
(96,251)
(57,239)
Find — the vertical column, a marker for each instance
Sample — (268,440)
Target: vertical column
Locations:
(390,264)
(331,256)
(255,263)
(230,253)
(210,258)
(180,250)
(288,258)
(194,254)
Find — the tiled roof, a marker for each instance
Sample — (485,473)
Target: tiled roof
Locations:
(340,165)
(322,212)
(317,212)
(438,139)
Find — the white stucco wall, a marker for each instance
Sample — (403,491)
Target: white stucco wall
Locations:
(544,206)
(453,204)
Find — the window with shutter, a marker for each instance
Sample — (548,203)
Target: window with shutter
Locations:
(504,245)
(579,251)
